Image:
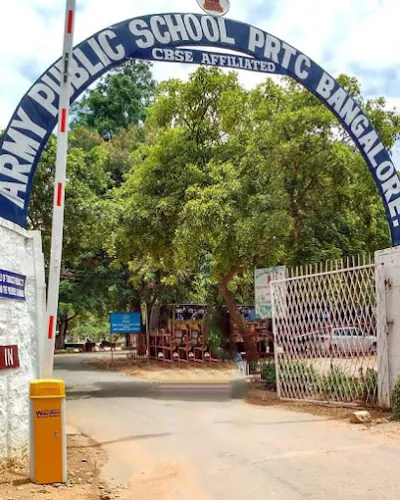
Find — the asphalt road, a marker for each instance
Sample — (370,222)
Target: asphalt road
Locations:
(184,449)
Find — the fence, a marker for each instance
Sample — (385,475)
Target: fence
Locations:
(330,341)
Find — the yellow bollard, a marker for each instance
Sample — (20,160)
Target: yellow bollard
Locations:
(48,445)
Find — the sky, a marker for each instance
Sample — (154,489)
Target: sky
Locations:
(358,37)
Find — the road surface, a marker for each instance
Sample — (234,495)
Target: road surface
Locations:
(222,450)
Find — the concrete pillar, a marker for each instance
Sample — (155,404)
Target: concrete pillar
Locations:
(388,311)
(21,325)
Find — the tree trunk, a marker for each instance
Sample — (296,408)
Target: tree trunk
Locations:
(62,330)
(63,323)
(235,313)
(296,230)
(149,308)
(134,307)
(294,207)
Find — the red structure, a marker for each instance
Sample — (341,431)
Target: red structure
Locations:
(260,334)
(177,334)
(213,5)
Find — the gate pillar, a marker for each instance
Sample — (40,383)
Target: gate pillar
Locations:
(388,312)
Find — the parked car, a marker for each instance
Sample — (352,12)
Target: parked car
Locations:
(301,345)
(346,341)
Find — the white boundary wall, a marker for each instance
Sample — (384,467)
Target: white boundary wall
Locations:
(23,324)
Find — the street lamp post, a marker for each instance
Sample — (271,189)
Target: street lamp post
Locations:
(59,194)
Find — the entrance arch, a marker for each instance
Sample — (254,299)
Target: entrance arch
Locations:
(174,38)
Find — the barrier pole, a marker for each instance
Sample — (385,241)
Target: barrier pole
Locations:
(59,193)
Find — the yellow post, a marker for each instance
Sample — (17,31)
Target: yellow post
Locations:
(48,447)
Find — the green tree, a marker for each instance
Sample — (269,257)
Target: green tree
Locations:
(332,201)
(196,197)
(120,99)
(87,182)
(89,279)
(120,152)
(213,192)
(217,181)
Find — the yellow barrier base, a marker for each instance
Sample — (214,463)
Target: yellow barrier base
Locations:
(48,447)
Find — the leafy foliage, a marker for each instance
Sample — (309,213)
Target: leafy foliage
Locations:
(336,384)
(396,400)
(201,182)
(91,327)
(268,374)
(118,101)
(298,375)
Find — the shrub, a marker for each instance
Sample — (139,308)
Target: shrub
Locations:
(214,340)
(268,374)
(396,400)
(369,382)
(298,379)
(337,385)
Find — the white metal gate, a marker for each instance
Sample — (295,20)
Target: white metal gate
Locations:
(330,334)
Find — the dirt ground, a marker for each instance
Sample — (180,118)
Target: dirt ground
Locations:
(85,459)
(258,396)
(382,425)
(158,372)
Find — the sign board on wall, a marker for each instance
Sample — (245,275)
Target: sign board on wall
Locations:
(263,292)
(12,285)
(125,322)
(9,357)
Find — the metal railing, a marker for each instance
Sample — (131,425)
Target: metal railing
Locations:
(329,342)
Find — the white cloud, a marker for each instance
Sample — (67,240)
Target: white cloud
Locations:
(337,35)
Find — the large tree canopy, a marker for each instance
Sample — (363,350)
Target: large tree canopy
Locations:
(203,181)
(229,179)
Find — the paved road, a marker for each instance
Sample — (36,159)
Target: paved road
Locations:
(227,450)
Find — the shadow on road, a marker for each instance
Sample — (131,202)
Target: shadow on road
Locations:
(75,366)
(176,392)
(103,389)
(82,385)
(124,439)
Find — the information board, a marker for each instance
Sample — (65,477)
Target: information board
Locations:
(125,322)
(263,293)
(12,285)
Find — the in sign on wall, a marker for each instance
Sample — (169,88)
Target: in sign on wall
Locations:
(9,357)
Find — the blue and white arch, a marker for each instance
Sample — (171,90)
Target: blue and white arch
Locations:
(174,38)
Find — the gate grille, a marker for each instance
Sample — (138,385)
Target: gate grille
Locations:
(326,336)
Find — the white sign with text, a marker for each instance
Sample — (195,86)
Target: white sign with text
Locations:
(263,291)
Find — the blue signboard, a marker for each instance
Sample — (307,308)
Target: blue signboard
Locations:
(174,38)
(12,285)
(125,322)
